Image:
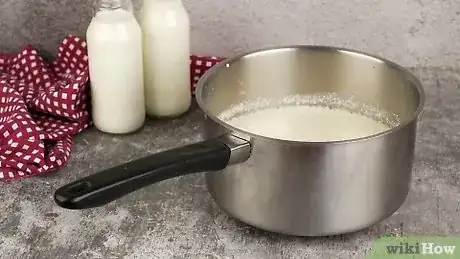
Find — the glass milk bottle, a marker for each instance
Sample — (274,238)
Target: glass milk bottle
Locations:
(114,41)
(166,43)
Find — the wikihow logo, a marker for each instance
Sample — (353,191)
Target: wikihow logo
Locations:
(426,247)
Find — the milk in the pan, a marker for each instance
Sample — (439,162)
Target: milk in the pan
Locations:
(316,118)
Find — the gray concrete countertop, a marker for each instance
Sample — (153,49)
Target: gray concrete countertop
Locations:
(177,218)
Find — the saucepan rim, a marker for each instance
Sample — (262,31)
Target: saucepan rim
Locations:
(405,73)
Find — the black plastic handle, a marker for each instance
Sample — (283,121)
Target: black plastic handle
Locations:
(106,186)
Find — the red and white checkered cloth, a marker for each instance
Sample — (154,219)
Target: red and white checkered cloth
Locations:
(43,105)
(199,65)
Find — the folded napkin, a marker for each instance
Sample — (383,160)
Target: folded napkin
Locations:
(198,66)
(42,106)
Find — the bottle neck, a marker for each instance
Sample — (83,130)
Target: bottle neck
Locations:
(164,2)
(110,5)
(168,1)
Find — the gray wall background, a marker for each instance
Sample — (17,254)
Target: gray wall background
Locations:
(411,32)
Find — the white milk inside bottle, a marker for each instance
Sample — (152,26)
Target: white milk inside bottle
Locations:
(166,42)
(116,68)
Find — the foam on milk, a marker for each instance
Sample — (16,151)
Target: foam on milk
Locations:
(313,118)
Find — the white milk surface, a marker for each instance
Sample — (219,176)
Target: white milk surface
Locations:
(307,123)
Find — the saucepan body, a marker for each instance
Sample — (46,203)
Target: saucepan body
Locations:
(285,186)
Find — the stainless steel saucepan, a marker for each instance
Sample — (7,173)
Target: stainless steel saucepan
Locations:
(290,187)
